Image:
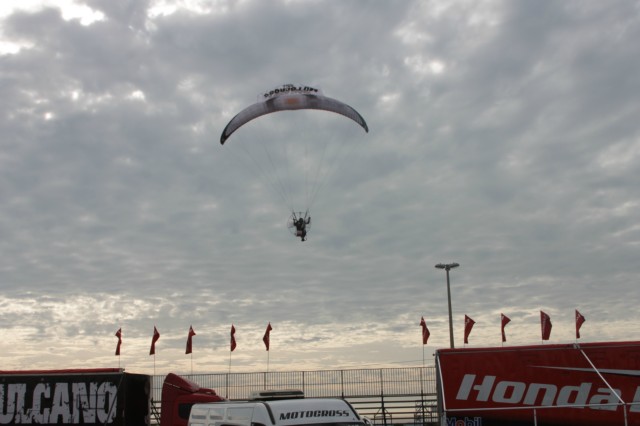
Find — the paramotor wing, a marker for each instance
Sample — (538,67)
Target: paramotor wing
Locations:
(287,98)
(295,155)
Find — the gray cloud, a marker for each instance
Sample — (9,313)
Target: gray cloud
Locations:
(503,136)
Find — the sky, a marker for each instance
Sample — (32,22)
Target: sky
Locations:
(503,135)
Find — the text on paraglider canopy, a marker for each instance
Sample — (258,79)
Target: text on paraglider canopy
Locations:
(290,88)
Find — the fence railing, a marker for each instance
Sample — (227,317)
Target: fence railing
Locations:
(387,395)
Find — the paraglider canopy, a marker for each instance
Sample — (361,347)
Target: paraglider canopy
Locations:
(307,148)
(287,98)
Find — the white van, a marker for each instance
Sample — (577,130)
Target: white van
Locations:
(263,410)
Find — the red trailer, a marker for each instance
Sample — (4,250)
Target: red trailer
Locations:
(557,384)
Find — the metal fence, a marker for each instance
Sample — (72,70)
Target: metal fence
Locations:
(388,396)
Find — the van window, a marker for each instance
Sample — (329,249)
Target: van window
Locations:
(216,413)
(237,414)
(199,414)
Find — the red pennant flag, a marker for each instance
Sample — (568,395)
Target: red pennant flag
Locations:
(233,338)
(468,325)
(579,321)
(119,336)
(425,331)
(189,337)
(154,339)
(504,320)
(266,338)
(545,324)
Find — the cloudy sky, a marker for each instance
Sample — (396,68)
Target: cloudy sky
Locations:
(504,135)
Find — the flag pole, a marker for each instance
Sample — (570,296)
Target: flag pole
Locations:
(266,339)
(192,363)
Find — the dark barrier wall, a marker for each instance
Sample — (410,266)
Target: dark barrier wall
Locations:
(82,397)
(137,399)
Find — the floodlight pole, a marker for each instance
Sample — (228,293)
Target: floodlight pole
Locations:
(447,267)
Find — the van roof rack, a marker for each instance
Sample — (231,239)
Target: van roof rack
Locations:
(275,394)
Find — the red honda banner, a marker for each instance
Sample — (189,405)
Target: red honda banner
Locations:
(266,337)
(545,324)
(189,338)
(119,336)
(425,331)
(154,339)
(579,321)
(504,320)
(468,325)
(233,338)
(550,384)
